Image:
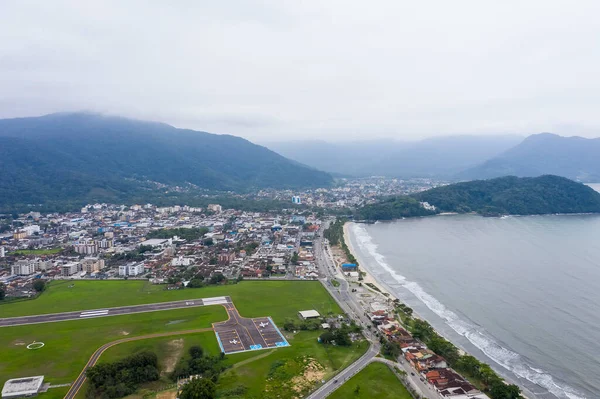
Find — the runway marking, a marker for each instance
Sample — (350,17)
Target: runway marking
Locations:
(94,313)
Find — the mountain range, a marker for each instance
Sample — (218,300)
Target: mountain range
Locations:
(90,157)
(441,157)
(577,158)
(455,158)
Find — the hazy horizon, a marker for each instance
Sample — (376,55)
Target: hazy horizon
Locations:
(333,70)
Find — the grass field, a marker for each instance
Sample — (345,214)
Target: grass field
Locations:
(70,344)
(287,372)
(168,349)
(278,299)
(40,252)
(374,381)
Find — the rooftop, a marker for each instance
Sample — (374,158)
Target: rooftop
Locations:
(22,386)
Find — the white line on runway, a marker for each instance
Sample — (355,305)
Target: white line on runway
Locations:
(94,313)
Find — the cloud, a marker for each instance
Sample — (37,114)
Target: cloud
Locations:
(275,69)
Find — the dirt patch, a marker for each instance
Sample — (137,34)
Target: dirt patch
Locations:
(124,332)
(166,395)
(175,348)
(312,374)
(18,342)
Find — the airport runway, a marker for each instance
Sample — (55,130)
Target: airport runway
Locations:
(123,310)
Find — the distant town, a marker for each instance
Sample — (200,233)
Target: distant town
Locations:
(108,241)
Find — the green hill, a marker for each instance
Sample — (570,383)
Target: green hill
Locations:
(84,157)
(505,195)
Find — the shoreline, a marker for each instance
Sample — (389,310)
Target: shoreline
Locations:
(368,278)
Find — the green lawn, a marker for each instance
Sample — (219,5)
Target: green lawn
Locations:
(262,378)
(51,251)
(69,344)
(374,381)
(278,299)
(168,349)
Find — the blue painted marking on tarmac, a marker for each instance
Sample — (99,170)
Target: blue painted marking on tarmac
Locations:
(254,347)
(281,344)
(280,334)
(220,343)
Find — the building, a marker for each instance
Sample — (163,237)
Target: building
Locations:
(20,234)
(225,258)
(215,208)
(86,247)
(2,254)
(159,243)
(349,267)
(31,230)
(22,387)
(69,269)
(105,243)
(309,314)
(92,265)
(23,267)
(296,200)
(131,269)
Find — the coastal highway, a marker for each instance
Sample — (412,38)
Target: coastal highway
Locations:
(122,310)
(349,303)
(352,309)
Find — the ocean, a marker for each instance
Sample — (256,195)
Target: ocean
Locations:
(520,293)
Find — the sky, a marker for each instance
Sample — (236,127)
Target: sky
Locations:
(279,70)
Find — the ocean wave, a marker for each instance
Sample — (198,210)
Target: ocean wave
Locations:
(504,357)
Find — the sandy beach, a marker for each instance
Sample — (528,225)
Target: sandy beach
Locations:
(367,277)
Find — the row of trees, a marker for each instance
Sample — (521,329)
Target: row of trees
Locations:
(335,234)
(121,378)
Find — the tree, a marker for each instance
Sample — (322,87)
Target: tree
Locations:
(502,391)
(294,259)
(200,388)
(195,283)
(39,285)
(2,291)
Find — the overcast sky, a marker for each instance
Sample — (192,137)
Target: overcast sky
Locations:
(283,70)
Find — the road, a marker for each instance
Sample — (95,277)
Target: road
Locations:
(123,310)
(350,305)
(76,386)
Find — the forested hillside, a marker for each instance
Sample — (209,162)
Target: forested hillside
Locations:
(506,195)
(87,157)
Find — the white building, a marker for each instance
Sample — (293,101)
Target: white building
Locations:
(181,261)
(2,254)
(215,208)
(427,206)
(22,387)
(69,269)
(23,267)
(296,199)
(131,270)
(31,230)
(158,243)
(86,247)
